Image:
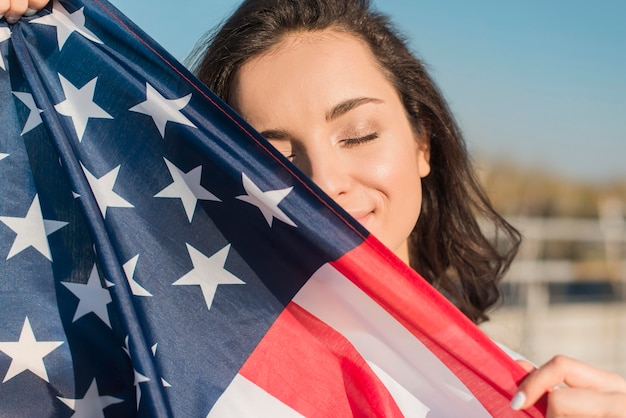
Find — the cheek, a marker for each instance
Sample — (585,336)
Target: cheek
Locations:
(401,175)
(401,184)
(403,197)
(408,191)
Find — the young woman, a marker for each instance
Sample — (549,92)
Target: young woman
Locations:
(334,88)
(341,55)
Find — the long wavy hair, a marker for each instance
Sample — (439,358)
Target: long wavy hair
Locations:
(447,245)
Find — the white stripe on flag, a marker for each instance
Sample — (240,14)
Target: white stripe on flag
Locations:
(242,398)
(383,341)
(410,406)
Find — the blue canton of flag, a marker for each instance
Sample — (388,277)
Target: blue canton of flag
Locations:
(159,258)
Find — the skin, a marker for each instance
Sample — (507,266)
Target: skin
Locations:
(12,10)
(588,391)
(321,99)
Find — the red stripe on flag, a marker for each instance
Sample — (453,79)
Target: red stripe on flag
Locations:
(489,373)
(312,368)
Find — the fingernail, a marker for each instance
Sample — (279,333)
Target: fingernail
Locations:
(518,401)
(30,12)
(12,19)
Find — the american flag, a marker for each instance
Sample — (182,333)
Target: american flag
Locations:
(159,258)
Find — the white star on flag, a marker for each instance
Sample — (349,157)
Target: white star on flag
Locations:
(79,105)
(32,230)
(139,378)
(103,190)
(267,202)
(34,118)
(92,404)
(28,353)
(3,156)
(66,23)
(187,188)
(208,273)
(5,33)
(163,381)
(92,297)
(129,269)
(163,110)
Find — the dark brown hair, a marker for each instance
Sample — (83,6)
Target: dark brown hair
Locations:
(447,246)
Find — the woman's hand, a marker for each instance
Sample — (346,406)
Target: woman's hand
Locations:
(13,10)
(590,392)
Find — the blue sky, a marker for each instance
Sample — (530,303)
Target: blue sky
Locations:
(541,83)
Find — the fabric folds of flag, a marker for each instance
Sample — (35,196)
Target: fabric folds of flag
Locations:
(159,258)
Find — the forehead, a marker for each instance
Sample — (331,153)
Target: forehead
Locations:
(327,65)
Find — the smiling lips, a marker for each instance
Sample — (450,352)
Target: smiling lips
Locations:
(362,216)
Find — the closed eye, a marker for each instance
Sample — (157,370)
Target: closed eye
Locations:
(279,139)
(287,153)
(350,142)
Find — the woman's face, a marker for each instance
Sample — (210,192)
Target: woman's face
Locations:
(322,100)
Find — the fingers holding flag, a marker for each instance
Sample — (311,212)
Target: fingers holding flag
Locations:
(588,391)
(13,10)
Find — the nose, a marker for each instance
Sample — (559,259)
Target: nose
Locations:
(328,170)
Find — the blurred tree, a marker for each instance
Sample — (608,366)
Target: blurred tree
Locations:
(537,192)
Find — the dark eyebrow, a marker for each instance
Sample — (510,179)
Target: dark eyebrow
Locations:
(348,105)
(274,134)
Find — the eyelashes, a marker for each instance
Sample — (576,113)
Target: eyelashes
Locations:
(291,155)
(351,142)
